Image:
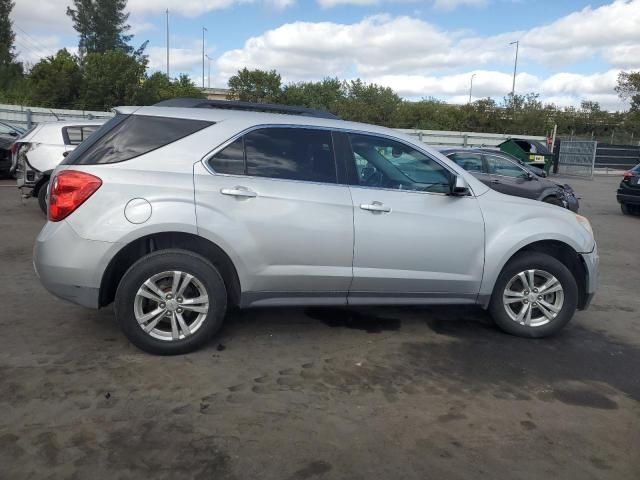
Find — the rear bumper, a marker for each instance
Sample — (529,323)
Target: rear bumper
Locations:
(592,264)
(70,267)
(628,199)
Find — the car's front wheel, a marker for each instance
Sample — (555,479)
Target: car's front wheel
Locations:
(535,296)
(171,302)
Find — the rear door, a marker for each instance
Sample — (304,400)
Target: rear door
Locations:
(272,197)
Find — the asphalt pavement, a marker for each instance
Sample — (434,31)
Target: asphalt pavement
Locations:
(323,393)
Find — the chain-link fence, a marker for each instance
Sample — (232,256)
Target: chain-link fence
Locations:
(577,157)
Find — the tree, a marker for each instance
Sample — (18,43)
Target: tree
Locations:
(101,25)
(368,103)
(628,88)
(159,87)
(327,94)
(255,86)
(111,78)
(10,70)
(55,81)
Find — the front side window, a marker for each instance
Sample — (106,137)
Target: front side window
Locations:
(290,153)
(229,160)
(471,162)
(504,167)
(385,163)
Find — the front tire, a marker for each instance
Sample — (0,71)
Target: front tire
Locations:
(535,296)
(171,302)
(553,201)
(625,209)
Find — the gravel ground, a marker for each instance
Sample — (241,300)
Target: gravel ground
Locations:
(323,393)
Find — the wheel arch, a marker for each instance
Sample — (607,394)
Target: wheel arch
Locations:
(557,249)
(141,246)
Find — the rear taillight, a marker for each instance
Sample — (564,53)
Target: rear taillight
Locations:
(69,190)
(627,174)
(13,147)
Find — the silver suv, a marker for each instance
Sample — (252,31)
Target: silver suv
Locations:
(176,214)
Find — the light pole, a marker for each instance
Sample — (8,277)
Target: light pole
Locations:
(208,71)
(204,29)
(471,87)
(168,43)
(515,68)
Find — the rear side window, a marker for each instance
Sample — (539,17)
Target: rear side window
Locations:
(125,138)
(291,153)
(75,135)
(471,162)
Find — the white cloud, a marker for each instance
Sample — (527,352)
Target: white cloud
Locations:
(453,4)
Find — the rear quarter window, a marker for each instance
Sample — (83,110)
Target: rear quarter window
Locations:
(125,137)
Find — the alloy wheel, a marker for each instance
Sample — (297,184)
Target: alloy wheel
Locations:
(533,298)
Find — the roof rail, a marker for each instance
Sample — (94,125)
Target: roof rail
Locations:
(247,106)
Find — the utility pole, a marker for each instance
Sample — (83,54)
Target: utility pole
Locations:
(168,43)
(203,30)
(515,69)
(208,71)
(471,87)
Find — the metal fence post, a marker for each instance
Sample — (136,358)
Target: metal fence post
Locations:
(465,139)
(29,119)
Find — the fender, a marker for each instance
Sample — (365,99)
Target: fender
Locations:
(512,223)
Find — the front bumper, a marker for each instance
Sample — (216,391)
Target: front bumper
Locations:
(69,266)
(592,263)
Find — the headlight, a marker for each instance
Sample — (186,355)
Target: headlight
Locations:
(585,223)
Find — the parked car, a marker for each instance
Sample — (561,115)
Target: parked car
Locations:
(506,174)
(176,214)
(629,191)
(41,149)
(8,135)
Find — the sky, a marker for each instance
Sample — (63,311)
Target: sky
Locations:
(569,50)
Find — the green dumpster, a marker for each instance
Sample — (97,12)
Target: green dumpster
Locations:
(530,151)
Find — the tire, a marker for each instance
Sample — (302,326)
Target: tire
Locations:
(553,201)
(42,197)
(159,267)
(566,301)
(625,209)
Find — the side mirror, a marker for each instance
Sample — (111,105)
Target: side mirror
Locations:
(459,187)
(64,154)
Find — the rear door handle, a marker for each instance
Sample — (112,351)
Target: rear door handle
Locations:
(239,192)
(375,207)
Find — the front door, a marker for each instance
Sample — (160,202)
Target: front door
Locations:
(414,243)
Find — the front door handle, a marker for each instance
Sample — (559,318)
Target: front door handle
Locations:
(239,192)
(375,207)
(495,181)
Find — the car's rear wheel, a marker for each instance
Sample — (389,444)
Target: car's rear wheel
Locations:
(625,209)
(535,296)
(171,302)
(42,197)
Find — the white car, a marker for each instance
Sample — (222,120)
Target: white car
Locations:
(41,149)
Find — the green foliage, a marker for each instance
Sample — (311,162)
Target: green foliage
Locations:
(10,70)
(110,78)
(327,94)
(628,88)
(255,86)
(55,81)
(101,25)
(159,87)
(368,103)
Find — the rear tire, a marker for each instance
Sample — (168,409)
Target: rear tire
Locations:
(184,323)
(42,196)
(625,209)
(559,304)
